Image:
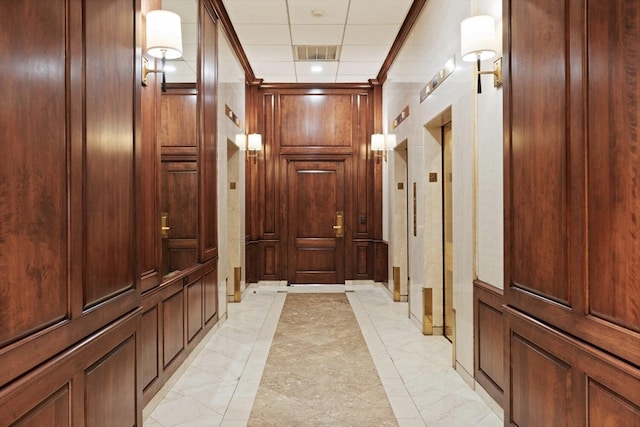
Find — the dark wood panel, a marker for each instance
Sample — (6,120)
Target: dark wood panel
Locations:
(179,202)
(148,203)
(613,161)
(609,409)
(96,377)
(601,387)
(538,149)
(33,234)
(178,133)
(53,411)
(315,120)
(208,84)
(110,390)
(538,380)
(150,346)
(270,265)
(173,318)
(194,308)
(211,294)
(381,263)
(109,149)
(361,257)
(489,338)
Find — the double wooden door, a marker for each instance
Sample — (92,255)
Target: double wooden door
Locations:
(315,216)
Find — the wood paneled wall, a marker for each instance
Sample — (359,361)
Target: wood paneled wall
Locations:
(305,123)
(70,133)
(88,320)
(572,96)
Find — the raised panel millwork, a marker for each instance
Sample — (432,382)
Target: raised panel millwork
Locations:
(211,294)
(571,203)
(208,83)
(150,348)
(53,411)
(538,149)
(613,161)
(299,123)
(110,388)
(555,379)
(194,308)
(607,408)
(538,381)
(489,338)
(93,383)
(109,150)
(316,120)
(178,133)
(173,318)
(69,224)
(33,235)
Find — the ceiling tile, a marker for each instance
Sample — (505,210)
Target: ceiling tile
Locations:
(335,12)
(189,51)
(269,52)
(364,53)
(383,35)
(272,68)
(351,78)
(279,79)
(378,11)
(316,34)
(308,78)
(258,12)
(263,34)
(187,9)
(360,67)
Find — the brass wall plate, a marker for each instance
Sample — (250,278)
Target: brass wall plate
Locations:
(433,177)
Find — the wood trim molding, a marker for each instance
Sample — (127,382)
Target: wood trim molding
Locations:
(407,25)
(234,41)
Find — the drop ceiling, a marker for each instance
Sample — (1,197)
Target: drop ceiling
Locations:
(269,31)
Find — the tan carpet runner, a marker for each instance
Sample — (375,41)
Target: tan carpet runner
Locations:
(319,371)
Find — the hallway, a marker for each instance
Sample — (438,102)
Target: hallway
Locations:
(219,382)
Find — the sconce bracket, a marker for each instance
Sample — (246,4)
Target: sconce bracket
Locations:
(497,72)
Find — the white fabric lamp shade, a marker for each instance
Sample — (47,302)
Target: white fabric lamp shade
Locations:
(478,38)
(377,142)
(164,34)
(390,141)
(241,141)
(254,142)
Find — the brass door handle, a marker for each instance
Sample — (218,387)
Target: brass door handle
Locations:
(339,227)
(164,225)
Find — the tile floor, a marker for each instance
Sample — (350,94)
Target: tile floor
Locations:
(219,384)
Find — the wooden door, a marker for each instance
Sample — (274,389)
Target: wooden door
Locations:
(315,200)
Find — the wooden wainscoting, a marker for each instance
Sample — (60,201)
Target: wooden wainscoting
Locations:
(94,383)
(176,316)
(555,379)
(489,339)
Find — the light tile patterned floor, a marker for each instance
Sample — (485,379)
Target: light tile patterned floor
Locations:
(219,386)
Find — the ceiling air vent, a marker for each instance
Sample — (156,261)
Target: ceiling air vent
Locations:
(316,53)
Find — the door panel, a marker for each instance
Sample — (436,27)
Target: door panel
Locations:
(316,197)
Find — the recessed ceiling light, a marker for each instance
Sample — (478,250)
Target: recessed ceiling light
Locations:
(316,68)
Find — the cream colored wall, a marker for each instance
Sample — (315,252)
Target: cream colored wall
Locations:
(231,92)
(477,164)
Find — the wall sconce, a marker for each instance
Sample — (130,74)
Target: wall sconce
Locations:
(478,40)
(252,143)
(164,41)
(380,143)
